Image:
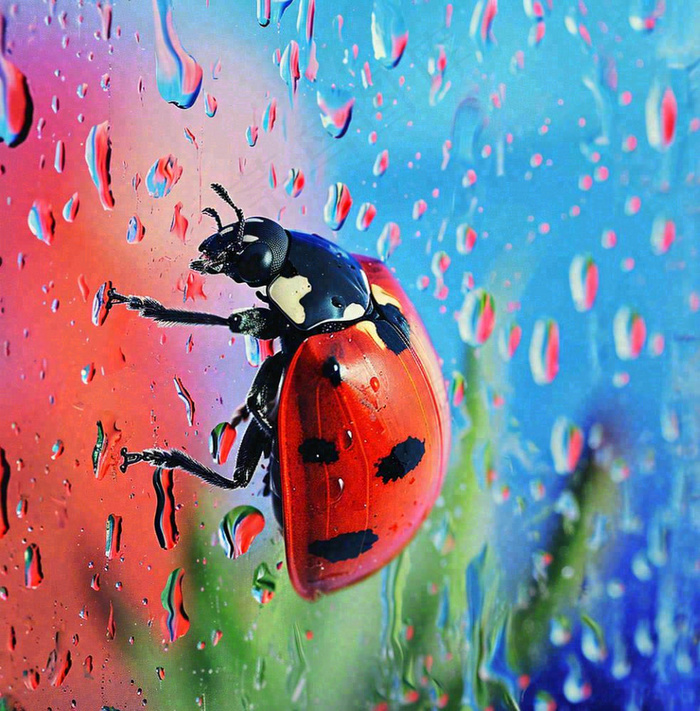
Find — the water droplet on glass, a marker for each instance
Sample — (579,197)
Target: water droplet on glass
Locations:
(163,176)
(59,162)
(165,525)
(179,223)
(629,331)
(663,234)
(57,449)
(178,74)
(566,445)
(239,528)
(210,105)
(221,441)
(295,182)
(337,206)
(263,584)
(33,573)
(389,33)
(583,280)
(269,116)
(388,241)
(135,231)
(176,622)
(185,396)
(41,221)
(381,163)
(16,106)
(477,317)
(4,483)
(98,153)
(70,209)
(289,68)
(365,216)
(466,238)
(99,304)
(336,110)
(544,351)
(113,536)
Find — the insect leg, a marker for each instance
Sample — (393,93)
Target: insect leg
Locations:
(150,308)
(264,390)
(257,322)
(254,445)
(176,459)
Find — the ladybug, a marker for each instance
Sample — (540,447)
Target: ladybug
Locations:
(351,411)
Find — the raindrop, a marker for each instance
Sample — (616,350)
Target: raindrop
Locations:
(221,441)
(239,528)
(33,573)
(185,396)
(389,33)
(113,536)
(135,231)
(477,317)
(336,110)
(163,176)
(178,74)
(41,221)
(176,622)
(337,206)
(544,351)
(98,153)
(15,99)
(165,525)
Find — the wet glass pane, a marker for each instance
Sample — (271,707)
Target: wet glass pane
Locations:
(522,179)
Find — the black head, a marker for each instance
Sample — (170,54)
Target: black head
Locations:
(251,250)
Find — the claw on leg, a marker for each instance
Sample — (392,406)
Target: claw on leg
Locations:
(129,458)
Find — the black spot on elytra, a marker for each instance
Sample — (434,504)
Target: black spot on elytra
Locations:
(390,336)
(345,546)
(394,316)
(318,451)
(331,370)
(402,459)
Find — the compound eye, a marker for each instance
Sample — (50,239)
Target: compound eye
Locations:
(255,263)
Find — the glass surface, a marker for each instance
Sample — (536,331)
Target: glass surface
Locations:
(529,171)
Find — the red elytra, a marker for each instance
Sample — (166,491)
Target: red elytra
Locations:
(385,424)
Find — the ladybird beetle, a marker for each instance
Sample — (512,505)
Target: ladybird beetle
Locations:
(351,411)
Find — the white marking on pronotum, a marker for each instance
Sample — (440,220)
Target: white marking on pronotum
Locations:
(353,312)
(287,293)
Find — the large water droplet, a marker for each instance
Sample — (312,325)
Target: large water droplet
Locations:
(239,528)
(336,110)
(477,317)
(337,206)
(98,154)
(178,74)
(165,525)
(176,622)
(221,440)
(163,176)
(389,33)
(16,106)
(41,221)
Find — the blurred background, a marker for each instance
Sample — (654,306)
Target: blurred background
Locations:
(530,172)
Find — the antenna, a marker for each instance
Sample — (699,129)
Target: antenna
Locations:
(221,191)
(213,213)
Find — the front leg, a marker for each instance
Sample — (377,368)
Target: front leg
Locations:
(257,322)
